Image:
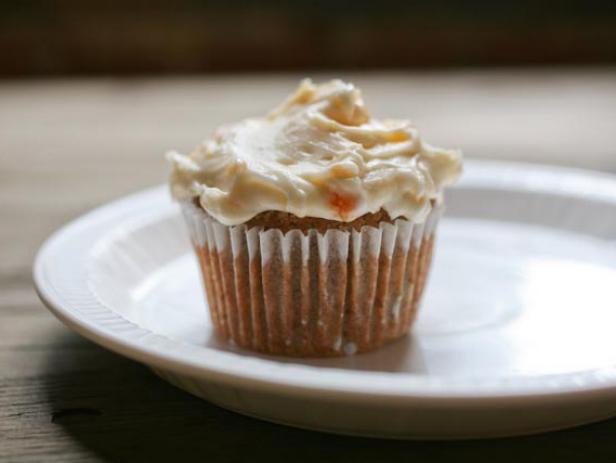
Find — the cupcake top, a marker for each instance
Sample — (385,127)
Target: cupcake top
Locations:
(319,154)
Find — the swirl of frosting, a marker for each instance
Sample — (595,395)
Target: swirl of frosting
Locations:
(319,154)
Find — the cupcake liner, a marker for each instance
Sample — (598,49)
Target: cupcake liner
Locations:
(306,293)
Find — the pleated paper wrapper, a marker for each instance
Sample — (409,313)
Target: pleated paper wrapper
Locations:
(312,294)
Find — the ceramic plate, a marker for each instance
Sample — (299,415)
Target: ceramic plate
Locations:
(516,333)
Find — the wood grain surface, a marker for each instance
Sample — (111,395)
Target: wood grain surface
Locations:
(68,146)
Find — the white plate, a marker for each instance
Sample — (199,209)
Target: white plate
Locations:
(516,334)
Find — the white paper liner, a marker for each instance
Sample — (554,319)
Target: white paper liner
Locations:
(310,293)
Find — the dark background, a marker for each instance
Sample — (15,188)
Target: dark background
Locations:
(71,37)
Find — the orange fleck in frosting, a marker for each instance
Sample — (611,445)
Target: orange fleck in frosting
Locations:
(343,204)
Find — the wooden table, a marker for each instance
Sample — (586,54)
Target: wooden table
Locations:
(68,146)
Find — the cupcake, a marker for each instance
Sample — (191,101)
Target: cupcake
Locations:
(314,225)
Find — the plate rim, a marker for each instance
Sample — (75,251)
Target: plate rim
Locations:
(125,338)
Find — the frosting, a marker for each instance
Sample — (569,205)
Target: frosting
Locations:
(319,154)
